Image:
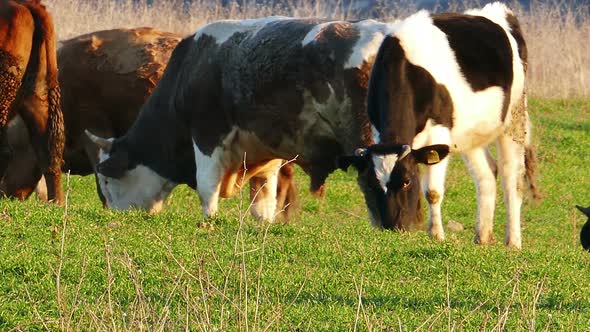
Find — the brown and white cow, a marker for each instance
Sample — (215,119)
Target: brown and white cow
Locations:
(448,83)
(247,92)
(105,77)
(29,86)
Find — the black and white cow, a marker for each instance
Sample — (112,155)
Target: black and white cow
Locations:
(249,92)
(448,83)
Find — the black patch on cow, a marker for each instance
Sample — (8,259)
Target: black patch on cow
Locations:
(482,50)
(516,33)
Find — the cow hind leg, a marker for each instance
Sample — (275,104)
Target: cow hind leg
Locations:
(511,155)
(263,194)
(433,185)
(482,169)
(287,191)
(47,141)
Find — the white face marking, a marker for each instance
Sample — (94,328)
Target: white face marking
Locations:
(384,165)
(140,187)
(223,30)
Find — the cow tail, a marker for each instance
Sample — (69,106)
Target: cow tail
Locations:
(55,127)
(55,122)
(530,165)
(289,201)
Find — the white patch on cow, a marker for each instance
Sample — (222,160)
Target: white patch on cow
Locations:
(432,134)
(314,33)
(476,117)
(223,30)
(384,165)
(210,170)
(140,188)
(371,35)
(497,13)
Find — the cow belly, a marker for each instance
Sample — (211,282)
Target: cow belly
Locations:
(478,121)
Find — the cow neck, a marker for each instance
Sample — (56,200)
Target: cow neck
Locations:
(403,97)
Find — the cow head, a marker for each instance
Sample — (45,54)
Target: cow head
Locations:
(389,179)
(127,184)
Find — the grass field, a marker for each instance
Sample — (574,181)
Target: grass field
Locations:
(85,268)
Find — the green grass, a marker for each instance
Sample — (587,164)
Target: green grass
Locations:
(326,270)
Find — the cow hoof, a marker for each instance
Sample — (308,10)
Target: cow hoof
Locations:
(208,226)
(438,236)
(515,244)
(486,238)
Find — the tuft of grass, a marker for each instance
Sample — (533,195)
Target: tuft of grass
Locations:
(85,268)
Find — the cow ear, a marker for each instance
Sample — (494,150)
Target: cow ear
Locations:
(584,210)
(115,166)
(103,143)
(358,160)
(432,154)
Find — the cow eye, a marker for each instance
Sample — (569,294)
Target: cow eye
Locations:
(406,184)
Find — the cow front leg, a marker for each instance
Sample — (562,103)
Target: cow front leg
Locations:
(209,178)
(511,156)
(433,186)
(483,170)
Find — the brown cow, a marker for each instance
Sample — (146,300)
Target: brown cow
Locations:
(105,77)
(29,83)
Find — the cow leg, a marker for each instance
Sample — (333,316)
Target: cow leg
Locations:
(482,170)
(511,156)
(286,190)
(35,114)
(209,178)
(263,193)
(433,185)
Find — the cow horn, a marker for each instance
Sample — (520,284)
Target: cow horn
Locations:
(103,143)
(406,149)
(360,152)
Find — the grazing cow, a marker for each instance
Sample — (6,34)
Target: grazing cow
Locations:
(585,232)
(29,86)
(237,97)
(448,83)
(105,77)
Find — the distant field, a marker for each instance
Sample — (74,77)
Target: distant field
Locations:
(556,31)
(90,269)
